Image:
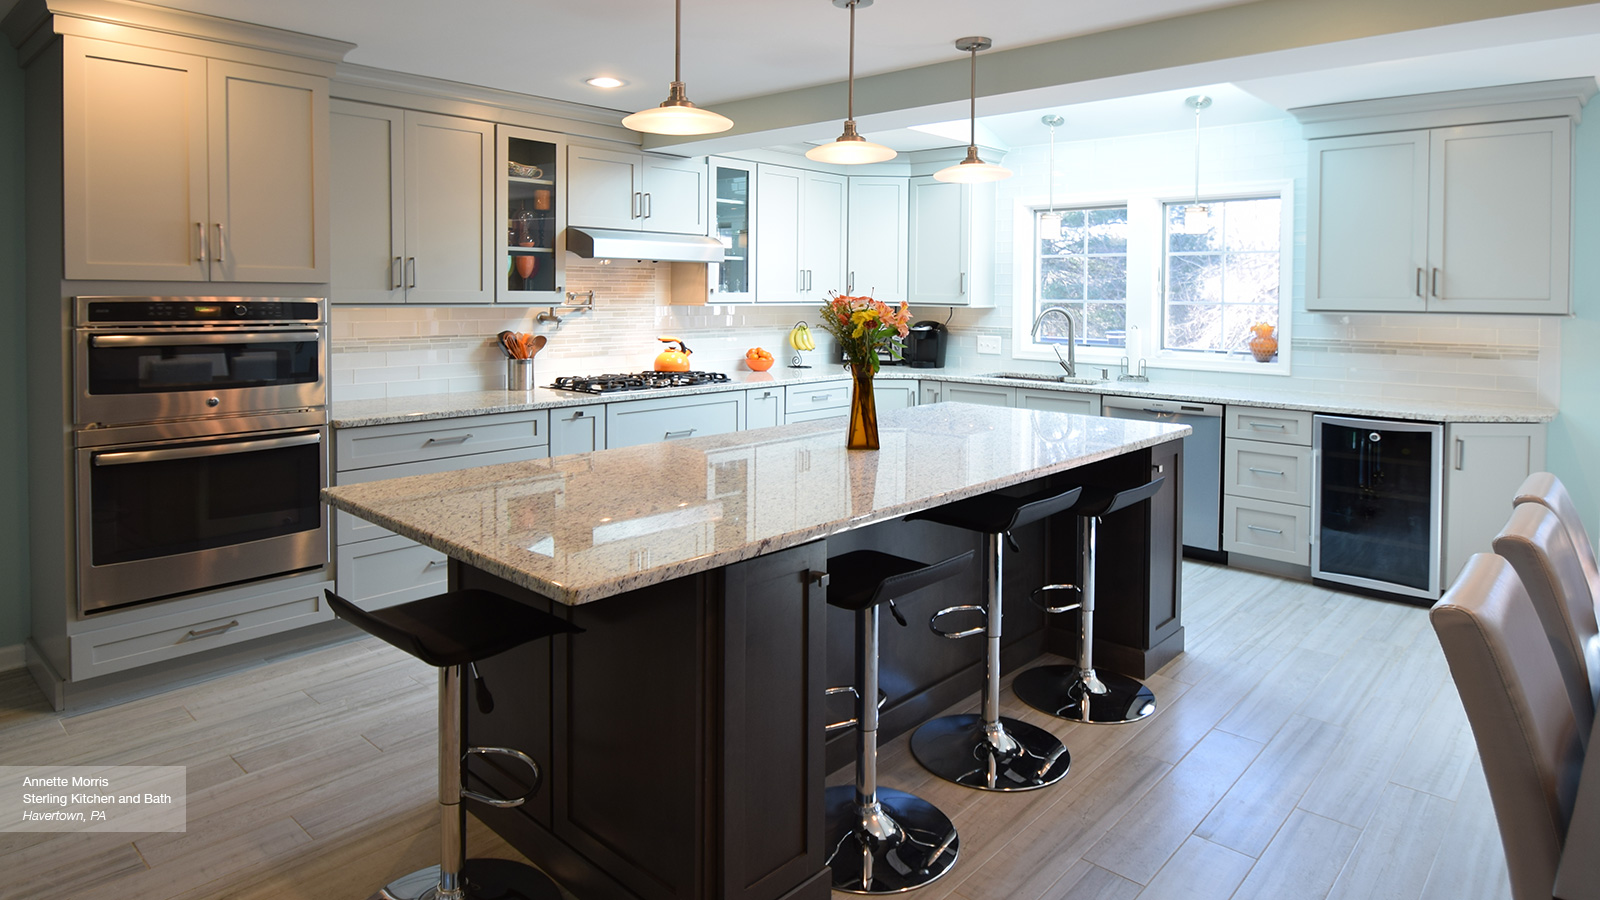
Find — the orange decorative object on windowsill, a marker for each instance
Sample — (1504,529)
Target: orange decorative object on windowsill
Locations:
(1263,346)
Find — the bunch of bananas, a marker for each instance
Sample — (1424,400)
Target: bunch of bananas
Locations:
(800,337)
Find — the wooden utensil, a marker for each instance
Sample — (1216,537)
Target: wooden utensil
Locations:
(536,344)
(508,343)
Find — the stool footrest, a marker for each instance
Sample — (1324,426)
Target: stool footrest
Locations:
(956,635)
(1033,597)
(853,721)
(504,802)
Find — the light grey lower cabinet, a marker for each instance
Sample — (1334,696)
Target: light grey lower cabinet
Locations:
(1058,401)
(894,394)
(1484,463)
(984,394)
(763,407)
(373,566)
(673,418)
(577,429)
(809,402)
(1267,484)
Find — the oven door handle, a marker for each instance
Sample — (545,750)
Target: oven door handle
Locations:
(129,457)
(183,340)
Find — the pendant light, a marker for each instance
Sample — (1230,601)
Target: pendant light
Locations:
(1050,222)
(1197,216)
(972,169)
(676,115)
(851,148)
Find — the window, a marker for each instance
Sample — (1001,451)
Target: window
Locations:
(1221,273)
(1084,271)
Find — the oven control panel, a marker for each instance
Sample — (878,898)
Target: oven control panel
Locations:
(195,310)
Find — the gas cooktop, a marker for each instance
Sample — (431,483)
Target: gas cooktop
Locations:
(638,381)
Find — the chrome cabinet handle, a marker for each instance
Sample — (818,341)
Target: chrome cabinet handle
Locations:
(638,204)
(1275,426)
(1266,471)
(1434,288)
(648,206)
(458,439)
(1461,453)
(1419,281)
(818,398)
(200,241)
(222,248)
(210,632)
(395,276)
(799,281)
(1267,530)
(673,435)
(963,283)
(131,457)
(850,283)
(435,564)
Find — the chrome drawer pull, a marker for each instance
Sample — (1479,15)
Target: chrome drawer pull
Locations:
(671,435)
(1266,471)
(435,564)
(210,632)
(1267,530)
(819,398)
(458,439)
(1273,425)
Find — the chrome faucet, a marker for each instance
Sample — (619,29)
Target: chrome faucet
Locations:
(1070,364)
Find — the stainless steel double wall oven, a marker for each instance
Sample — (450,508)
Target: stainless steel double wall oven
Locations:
(200,441)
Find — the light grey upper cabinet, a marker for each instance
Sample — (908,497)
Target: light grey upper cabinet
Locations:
(413,208)
(951,243)
(801,222)
(180,168)
(731,212)
(878,237)
(635,191)
(1468,219)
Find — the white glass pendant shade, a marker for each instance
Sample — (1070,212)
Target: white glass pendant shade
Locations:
(850,148)
(1050,226)
(676,115)
(1196,218)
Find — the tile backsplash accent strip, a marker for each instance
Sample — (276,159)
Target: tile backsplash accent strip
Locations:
(1418,348)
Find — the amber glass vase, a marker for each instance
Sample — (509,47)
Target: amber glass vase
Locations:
(863,411)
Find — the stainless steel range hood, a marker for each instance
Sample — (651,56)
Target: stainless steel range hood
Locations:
(611,243)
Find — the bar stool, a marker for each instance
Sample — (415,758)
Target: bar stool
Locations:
(989,751)
(1081,693)
(882,841)
(452,631)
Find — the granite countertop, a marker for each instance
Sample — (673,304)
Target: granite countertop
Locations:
(357,413)
(583,527)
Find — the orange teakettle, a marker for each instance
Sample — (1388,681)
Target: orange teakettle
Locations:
(674,358)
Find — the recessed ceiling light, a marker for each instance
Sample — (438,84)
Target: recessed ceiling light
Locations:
(605,81)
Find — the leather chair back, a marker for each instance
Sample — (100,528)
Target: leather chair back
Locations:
(1536,544)
(1547,490)
(1521,719)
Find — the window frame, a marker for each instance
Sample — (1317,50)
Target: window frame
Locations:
(1146,279)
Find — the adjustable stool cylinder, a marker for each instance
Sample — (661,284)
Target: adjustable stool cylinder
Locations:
(1082,693)
(880,840)
(989,751)
(452,631)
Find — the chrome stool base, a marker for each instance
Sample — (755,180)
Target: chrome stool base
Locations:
(959,749)
(921,847)
(1061,691)
(486,879)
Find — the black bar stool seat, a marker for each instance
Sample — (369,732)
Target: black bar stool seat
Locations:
(1082,693)
(880,840)
(451,632)
(989,751)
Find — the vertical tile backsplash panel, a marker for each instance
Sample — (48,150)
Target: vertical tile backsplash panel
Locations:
(1512,360)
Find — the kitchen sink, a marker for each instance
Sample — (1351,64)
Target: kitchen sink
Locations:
(1053,379)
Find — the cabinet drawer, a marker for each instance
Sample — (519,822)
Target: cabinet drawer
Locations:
(800,398)
(407,442)
(815,414)
(1059,401)
(1267,471)
(1278,531)
(153,640)
(1280,426)
(348,528)
(375,574)
(673,418)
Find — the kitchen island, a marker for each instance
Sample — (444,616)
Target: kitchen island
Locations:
(682,731)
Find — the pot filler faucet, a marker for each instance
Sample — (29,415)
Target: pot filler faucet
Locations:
(1070,364)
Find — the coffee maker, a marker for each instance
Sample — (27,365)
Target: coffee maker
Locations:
(925,345)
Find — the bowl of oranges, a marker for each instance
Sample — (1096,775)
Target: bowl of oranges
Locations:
(757,359)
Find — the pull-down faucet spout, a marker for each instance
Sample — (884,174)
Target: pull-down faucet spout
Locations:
(1070,364)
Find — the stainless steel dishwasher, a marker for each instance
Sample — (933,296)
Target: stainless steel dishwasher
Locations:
(1202,462)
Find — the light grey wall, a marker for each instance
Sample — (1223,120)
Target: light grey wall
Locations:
(1575,434)
(13,412)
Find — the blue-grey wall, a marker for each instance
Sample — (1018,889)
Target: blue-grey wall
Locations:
(13,396)
(1574,452)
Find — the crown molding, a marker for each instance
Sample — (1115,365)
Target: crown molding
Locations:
(1503,103)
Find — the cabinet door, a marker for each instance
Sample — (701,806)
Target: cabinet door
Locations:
(979,393)
(530,261)
(449,210)
(822,236)
(731,211)
(577,429)
(134,163)
(778,193)
(930,392)
(603,188)
(763,407)
(940,243)
(878,238)
(1059,401)
(1500,207)
(367,203)
(1485,463)
(894,394)
(268,161)
(1367,223)
(674,195)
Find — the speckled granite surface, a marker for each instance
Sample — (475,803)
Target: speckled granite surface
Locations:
(583,527)
(356,413)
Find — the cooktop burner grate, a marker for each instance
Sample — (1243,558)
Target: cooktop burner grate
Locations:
(637,381)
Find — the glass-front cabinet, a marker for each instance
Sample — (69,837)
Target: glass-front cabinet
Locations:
(533,215)
(732,203)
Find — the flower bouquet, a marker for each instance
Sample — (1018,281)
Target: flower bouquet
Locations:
(863,326)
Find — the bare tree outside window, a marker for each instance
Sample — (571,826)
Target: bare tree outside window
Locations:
(1221,273)
(1086,272)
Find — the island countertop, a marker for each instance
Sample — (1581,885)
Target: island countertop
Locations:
(588,526)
